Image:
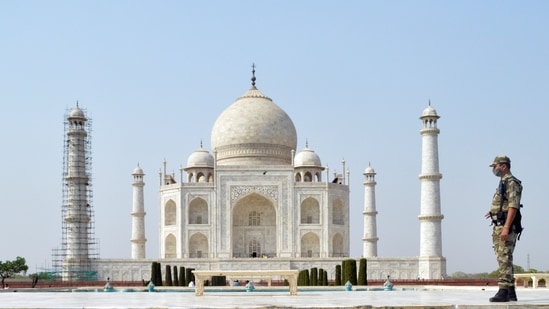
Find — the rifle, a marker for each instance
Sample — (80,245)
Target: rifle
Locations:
(501,216)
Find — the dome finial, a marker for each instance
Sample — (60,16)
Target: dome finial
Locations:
(307,143)
(76,103)
(200,143)
(253,74)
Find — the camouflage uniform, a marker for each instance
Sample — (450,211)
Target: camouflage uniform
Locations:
(504,249)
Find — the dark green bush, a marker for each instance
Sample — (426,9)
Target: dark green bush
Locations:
(337,279)
(303,278)
(189,276)
(156,274)
(168,276)
(219,281)
(314,276)
(362,277)
(349,271)
(181,279)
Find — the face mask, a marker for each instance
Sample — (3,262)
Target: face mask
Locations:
(496,171)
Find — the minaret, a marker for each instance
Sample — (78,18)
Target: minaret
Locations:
(370,227)
(76,209)
(138,215)
(431,263)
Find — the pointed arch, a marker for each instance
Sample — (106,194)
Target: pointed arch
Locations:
(198,211)
(310,245)
(338,213)
(254,226)
(200,177)
(318,176)
(198,246)
(170,247)
(170,213)
(337,245)
(310,211)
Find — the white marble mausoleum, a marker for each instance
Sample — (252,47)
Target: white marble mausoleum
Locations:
(254,201)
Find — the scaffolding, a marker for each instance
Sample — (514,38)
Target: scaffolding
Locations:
(73,261)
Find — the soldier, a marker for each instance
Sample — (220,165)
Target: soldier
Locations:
(504,209)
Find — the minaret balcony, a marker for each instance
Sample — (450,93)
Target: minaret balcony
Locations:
(430,217)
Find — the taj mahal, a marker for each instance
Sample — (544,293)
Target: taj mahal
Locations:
(251,202)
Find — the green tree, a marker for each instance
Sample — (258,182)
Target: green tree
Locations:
(314,276)
(181,280)
(168,275)
(338,275)
(349,271)
(156,273)
(189,276)
(10,268)
(303,278)
(320,276)
(219,280)
(518,269)
(175,276)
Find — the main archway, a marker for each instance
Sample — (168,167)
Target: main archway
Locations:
(254,227)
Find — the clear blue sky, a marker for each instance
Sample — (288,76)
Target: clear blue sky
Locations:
(354,76)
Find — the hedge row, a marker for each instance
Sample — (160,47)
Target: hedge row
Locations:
(347,271)
(179,278)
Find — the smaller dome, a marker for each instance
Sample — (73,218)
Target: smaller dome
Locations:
(138,171)
(200,158)
(369,170)
(77,113)
(429,112)
(307,157)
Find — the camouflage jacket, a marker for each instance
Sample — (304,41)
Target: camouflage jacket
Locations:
(511,196)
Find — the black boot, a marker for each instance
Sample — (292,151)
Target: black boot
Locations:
(501,296)
(512,293)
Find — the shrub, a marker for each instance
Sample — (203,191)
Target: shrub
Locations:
(168,275)
(314,276)
(189,276)
(156,274)
(303,278)
(181,280)
(337,280)
(349,271)
(362,277)
(219,281)
(175,277)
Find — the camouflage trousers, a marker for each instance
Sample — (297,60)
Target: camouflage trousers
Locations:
(504,255)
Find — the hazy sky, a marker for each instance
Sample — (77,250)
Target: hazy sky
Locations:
(354,76)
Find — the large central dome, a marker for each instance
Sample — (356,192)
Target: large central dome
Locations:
(254,131)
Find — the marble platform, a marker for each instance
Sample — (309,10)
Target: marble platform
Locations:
(416,298)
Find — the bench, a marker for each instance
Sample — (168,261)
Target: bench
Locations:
(201,275)
(534,276)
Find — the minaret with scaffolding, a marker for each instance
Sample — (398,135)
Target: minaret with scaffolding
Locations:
(78,244)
